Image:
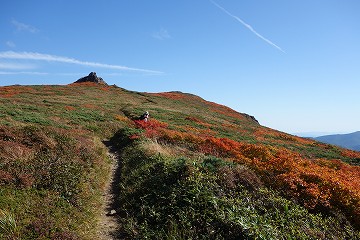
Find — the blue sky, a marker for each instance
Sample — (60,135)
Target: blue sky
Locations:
(294,65)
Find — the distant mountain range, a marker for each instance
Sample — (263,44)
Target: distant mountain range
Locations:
(350,140)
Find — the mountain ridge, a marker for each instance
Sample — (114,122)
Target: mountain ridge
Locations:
(194,168)
(349,140)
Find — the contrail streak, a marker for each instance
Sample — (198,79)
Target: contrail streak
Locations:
(247,26)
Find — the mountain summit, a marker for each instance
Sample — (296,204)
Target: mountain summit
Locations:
(92,77)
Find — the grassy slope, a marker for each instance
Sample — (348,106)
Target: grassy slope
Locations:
(51,155)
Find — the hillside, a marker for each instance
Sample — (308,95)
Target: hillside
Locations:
(350,141)
(195,170)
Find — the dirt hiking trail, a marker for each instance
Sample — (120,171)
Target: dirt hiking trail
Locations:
(109,228)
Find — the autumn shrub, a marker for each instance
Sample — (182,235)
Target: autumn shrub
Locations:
(151,127)
(207,175)
(166,197)
(239,175)
(40,164)
(43,228)
(315,186)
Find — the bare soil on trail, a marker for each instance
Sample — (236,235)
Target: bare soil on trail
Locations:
(108,222)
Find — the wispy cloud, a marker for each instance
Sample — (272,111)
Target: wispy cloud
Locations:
(23,73)
(162,34)
(247,26)
(24,27)
(10,44)
(16,66)
(54,58)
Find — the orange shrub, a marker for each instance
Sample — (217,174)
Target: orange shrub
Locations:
(151,127)
(317,184)
(226,111)
(122,118)
(70,108)
(350,153)
(9,91)
(170,95)
(198,121)
(90,106)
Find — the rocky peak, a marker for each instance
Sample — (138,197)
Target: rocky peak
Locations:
(92,78)
(251,118)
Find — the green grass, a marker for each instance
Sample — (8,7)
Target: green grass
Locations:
(53,167)
(53,185)
(8,225)
(80,116)
(166,197)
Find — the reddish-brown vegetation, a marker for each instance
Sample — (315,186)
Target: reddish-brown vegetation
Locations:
(316,184)
(226,111)
(170,95)
(70,108)
(10,91)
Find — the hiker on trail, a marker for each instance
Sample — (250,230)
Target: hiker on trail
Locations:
(145,116)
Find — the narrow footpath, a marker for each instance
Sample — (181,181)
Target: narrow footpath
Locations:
(109,224)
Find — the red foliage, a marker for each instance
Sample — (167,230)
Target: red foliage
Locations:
(198,121)
(135,136)
(224,110)
(151,127)
(350,153)
(106,89)
(314,183)
(90,106)
(198,131)
(123,119)
(170,95)
(10,91)
(70,108)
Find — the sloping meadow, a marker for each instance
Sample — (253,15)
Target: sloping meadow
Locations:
(172,192)
(50,182)
(196,170)
(53,165)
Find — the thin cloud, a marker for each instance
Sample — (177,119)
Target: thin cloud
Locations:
(15,66)
(24,27)
(54,58)
(247,26)
(162,34)
(10,44)
(23,73)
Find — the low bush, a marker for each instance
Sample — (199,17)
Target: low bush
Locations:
(51,181)
(209,198)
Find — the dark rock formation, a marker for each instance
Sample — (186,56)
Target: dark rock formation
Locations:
(251,118)
(92,78)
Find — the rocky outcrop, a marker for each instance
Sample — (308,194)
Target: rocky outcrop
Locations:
(92,78)
(251,118)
